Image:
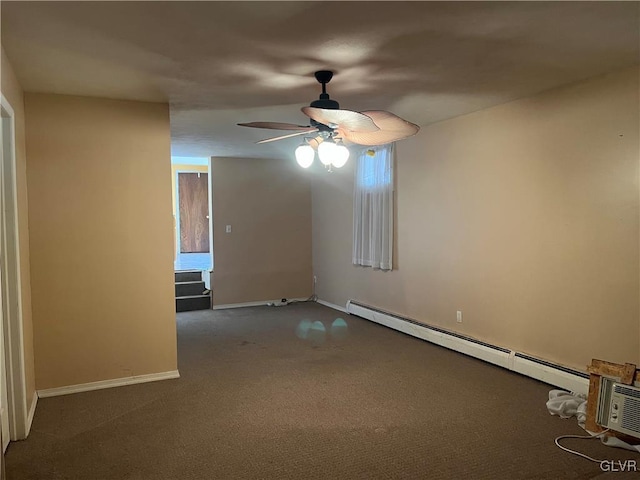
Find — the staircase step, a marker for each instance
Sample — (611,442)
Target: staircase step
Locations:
(188,276)
(193,302)
(185,289)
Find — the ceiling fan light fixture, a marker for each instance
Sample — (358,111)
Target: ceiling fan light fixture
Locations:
(341,156)
(327,152)
(305,155)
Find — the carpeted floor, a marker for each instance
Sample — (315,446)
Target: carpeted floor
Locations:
(265,393)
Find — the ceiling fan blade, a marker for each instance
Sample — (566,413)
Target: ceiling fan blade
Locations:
(275,125)
(347,119)
(282,137)
(392,129)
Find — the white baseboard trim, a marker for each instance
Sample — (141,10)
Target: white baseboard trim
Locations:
(263,303)
(116,382)
(521,363)
(32,412)
(332,305)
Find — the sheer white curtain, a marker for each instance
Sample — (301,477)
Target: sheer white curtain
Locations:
(373,208)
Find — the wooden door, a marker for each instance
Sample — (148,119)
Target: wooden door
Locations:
(193,197)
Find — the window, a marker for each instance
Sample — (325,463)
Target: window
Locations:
(373,208)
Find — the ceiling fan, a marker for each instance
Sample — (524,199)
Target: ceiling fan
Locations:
(336,128)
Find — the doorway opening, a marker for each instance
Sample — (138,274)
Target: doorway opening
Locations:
(15,420)
(192,214)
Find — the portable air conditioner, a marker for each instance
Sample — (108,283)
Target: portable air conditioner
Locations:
(619,407)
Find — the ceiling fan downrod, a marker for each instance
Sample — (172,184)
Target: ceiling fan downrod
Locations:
(324,77)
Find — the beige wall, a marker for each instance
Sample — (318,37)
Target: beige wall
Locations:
(101,238)
(267,255)
(13,93)
(524,216)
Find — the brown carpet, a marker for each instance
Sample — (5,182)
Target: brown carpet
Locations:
(256,401)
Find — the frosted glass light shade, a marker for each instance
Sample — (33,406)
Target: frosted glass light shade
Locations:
(341,156)
(304,155)
(327,152)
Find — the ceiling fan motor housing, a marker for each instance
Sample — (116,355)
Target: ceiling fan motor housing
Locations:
(325,102)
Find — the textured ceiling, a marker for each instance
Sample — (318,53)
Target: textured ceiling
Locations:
(220,63)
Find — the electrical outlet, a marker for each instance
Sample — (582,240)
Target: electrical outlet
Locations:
(228,229)
(315,279)
(459,316)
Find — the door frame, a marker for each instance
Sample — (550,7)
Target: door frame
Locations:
(13,318)
(177,206)
(210,172)
(5,428)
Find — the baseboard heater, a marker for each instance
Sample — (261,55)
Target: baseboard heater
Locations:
(553,374)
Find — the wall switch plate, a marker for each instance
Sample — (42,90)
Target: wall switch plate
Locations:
(459,316)
(227,229)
